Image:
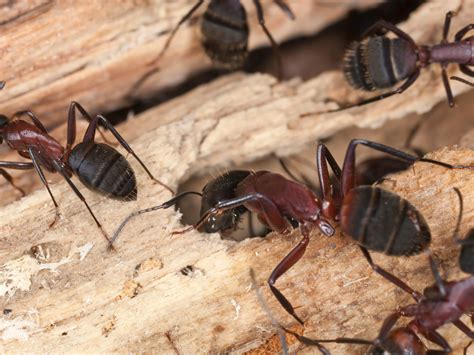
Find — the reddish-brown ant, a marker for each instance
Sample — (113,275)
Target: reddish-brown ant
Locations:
(379,62)
(442,303)
(375,218)
(99,166)
(225,34)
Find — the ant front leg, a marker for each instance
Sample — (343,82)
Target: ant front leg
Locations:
(283,266)
(462,32)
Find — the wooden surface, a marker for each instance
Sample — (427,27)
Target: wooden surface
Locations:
(93,52)
(70,293)
(138,299)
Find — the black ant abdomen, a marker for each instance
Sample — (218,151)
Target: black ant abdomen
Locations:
(225,34)
(103,169)
(370,212)
(379,62)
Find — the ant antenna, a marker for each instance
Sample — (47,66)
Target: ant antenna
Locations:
(164,205)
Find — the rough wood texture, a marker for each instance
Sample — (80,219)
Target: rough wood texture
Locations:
(94,51)
(73,294)
(259,115)
(66,292)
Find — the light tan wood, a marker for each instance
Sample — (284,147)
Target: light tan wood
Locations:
(266,114)
(94,51)
(138,299)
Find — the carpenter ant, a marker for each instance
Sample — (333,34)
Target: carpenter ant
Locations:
(99,166)
(376,219)
(442,303)
(432,310)
(379,62)
(225,33)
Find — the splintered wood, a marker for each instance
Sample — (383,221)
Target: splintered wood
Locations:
(62,290)
(95,51)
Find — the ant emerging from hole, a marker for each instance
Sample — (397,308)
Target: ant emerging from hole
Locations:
(376,219)
(379,62)
(225,33)
(98,166)
(442,303)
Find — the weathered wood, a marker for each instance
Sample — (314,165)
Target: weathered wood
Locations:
(138,299)
(265,114)
(94,51)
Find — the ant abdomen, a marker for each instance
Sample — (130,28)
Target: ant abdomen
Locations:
(378,62)
(103,169)
(381,221)
(225,33)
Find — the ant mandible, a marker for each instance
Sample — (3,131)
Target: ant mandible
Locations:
(99,166)
(379,62)
(375,218)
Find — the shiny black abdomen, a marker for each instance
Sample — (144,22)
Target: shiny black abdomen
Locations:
(101,168)
(225,33)
(382,221)
(379,62)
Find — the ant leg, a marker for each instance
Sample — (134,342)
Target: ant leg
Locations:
(59,167)
(447,87)
(9,179)
(34,158)
(409,82)
(14,165)
(89,136)
(435,337)
(390,277)
(285,8)
(384,25)
(447,24)
(152,71)
(461,80)
(33,117)
(348,167)
(466,70)
(275,47)
(267,311)
(271,213)
(462,32)
(464,328)
(164,205)
(71,126)
(303,179)
(283,266)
